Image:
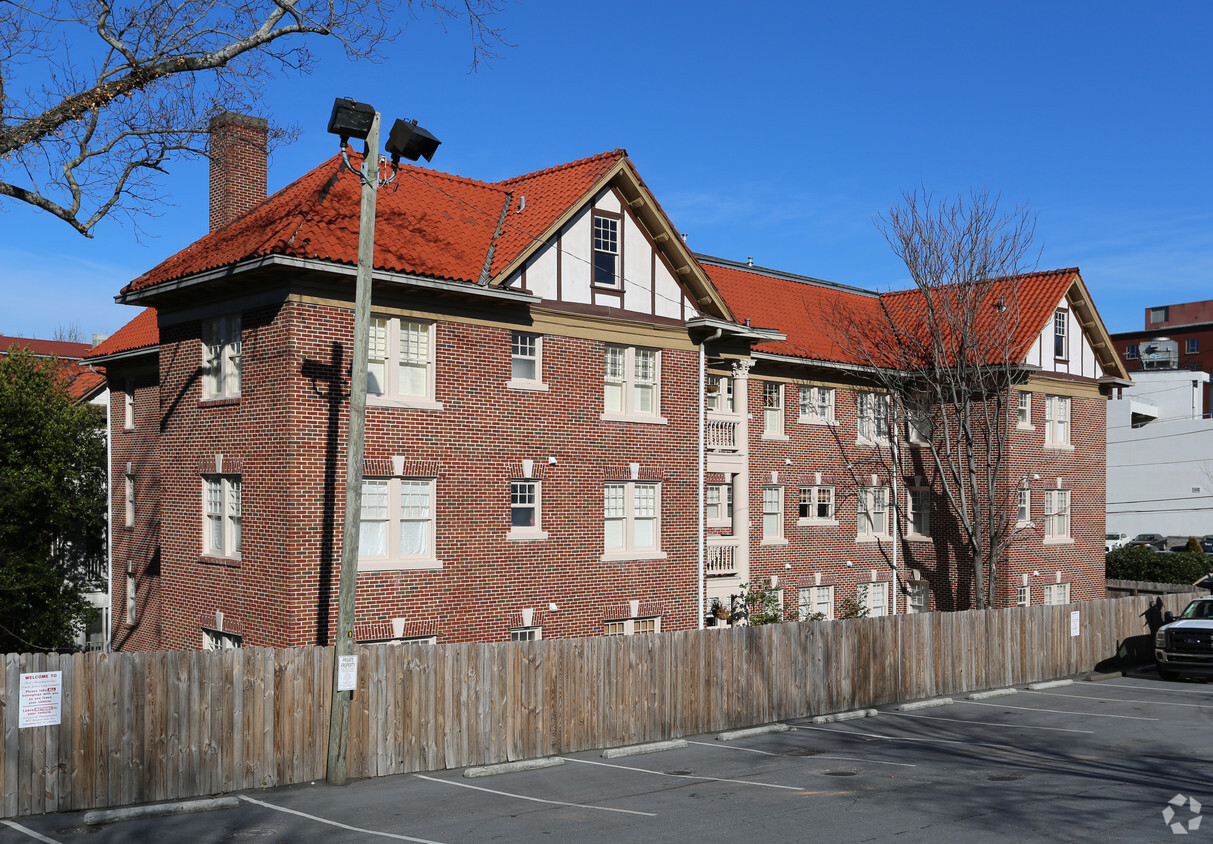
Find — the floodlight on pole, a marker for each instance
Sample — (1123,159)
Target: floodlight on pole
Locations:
(351,119)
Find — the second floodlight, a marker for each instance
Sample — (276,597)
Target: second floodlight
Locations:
(408,140)
(351,119)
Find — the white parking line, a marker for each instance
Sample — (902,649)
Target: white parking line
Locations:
(335,823)
(1127,700)
(534,799)
(35,835)
(1058,711)
(685,776)
(916,740)
(815,756)
(1202,692)
(990,723)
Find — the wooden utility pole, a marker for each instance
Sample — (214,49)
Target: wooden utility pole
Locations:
(339,718)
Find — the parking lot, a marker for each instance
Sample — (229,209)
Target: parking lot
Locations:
(1087,761)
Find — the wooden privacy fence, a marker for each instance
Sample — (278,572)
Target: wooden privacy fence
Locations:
(139,727)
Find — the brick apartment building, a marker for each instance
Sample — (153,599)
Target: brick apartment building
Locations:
(533,427)
(1173,337)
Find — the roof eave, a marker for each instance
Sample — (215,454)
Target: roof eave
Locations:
(733,329)
(128,355)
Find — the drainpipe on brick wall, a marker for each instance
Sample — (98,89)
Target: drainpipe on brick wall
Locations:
(703,411)
(109,519)
(895,515)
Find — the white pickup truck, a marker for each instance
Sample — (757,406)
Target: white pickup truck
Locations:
(1184,645)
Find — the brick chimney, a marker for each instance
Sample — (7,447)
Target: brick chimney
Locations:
(238,164)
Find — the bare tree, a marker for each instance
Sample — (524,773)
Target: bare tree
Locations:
(96,95)
(949,351)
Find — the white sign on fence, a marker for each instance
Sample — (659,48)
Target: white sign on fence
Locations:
(1074,623)
(41,703)
(347,673)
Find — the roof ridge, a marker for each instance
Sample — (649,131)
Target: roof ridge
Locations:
(618,152)
(782,275)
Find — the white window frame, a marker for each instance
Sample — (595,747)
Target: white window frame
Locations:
(811,497)
(1058,416)
(606,238)
(1132,351)
(917,597)
(222,353)
(222,519)
(918,419)
(872,417)
(816,599)
(1061,335)
(722,400)
(1023,596)
(1023,508)
(872,513)
(1023,419)
(132,596)
(641,625)
(387,351)
(1057,593)
(519,495)
(720,498)
(772,515)
(129,500)
(625,381)
(218,640)
(625,505)
(128,405)
(532,633)
(393,515)
(526,351)
(873,596)
(918,513)
(772,411)
(1057,515)
(816,405)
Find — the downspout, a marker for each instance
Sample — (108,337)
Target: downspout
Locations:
(896,514)
(703,413)
(109,517)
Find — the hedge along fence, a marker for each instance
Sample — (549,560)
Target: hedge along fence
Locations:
(140,727)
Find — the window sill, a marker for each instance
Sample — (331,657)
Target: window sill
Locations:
(918,537)
(816,523)
(526,535)
(412,403)
(612,416)
(720,523)
(1021,427)
(1059,540)
(782,438)
(219,401)
(1025,526)
(128,427)
(918,443)
(872,443)
(773,540)
(526,385)
(212,560)
(629,556)
(399,565)
(873,539)
(812,420)
(607,288)
(1058,447)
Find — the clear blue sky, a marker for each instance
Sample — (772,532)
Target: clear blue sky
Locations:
(777,130)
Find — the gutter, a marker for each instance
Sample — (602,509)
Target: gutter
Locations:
(129,354)
(702,465)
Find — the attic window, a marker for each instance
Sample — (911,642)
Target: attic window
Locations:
(1061,346)
(606,251)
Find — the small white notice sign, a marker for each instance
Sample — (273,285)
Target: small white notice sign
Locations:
(1074,623)
(347,673)
(41,702)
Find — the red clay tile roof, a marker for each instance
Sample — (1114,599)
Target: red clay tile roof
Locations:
(46,348)
(140,333)
(813,316)
(84,382)
(429,223)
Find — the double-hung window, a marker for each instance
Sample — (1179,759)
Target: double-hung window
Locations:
(631,518)
(632,626)
(817,504)
(1131,351)
(919,515)
(718,502)
(223,530)
(397,527)
(631,379)
(606,251)
(526,361)
(873,597)
(1192,345)
(917,596)
(1057,514)
(816,602)
(400,364)
(919,423)
(720,394)
(221,364)
(772,513)
(1061,341)
(1024,419)
(218,640)
(817,405)
(526,634)
(1057,420)
(772,409)
(525,510)
(128,404)
(1057,593)
(873,417)
(873,512)
(132,595)
(1023,596)
(129,510)
(1023,514)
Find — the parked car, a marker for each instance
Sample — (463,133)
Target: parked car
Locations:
(1184,645)
(1153,541)
(1206,543)
(1112,541)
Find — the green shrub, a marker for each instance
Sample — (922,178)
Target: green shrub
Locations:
(1156,567)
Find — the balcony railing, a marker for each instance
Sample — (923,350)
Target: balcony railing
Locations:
(721,435)
(721,557)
